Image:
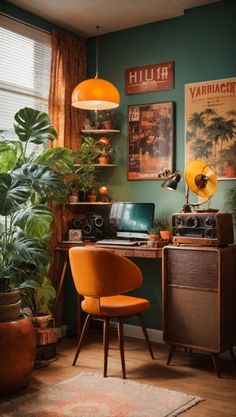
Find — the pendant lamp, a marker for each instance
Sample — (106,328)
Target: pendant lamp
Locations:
(95,93)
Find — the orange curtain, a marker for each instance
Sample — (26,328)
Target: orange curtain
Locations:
(68,68)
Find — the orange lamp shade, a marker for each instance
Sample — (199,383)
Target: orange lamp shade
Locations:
(95,94)
(103,189)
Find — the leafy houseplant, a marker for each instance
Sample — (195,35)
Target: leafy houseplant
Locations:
(105,119)
(88,151)
(27,184)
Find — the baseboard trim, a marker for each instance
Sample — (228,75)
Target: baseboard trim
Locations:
(136,332)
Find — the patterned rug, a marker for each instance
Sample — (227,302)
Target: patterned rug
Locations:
(91,395)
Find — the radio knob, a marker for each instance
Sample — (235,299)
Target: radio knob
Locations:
(179,221)
(193,221)
(210,233)
(87,228)
(179,232)
(98,221)
(210,222)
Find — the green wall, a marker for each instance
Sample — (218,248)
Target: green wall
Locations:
(202,45)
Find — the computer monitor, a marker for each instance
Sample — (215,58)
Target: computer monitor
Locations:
(132,220)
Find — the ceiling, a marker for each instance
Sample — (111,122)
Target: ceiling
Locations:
(82,16)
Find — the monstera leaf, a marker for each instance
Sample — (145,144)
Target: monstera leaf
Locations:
(34,126)
(43,180)
(35,221)
(13,193)
(58,159)
(8,157)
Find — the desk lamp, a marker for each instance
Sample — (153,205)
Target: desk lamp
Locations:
(200,179)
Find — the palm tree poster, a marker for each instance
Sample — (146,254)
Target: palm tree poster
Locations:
(210,125)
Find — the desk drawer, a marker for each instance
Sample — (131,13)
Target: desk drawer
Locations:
(123,252)
(144,254)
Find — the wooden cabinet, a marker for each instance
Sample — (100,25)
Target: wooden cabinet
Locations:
(199,289)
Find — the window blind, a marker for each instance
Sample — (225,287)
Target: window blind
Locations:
(25,59)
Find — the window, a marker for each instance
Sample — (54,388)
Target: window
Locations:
(25,57)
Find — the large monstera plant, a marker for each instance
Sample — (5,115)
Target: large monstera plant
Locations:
(29,180)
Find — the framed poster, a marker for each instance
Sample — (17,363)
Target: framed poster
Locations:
(210,125)
(151,136)
(154,77)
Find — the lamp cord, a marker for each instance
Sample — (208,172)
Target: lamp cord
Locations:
(96,75)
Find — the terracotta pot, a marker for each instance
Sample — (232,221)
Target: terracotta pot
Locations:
(17,353)
(104,160)
(153,236)
(9,305)
(92,198)
(107,124)
(165,234)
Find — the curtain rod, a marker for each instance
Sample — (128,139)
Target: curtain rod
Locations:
(25,23)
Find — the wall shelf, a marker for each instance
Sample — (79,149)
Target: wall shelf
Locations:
(88,203)
(100,165)
(98,131)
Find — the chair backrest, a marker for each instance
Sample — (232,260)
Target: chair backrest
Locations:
(99,272)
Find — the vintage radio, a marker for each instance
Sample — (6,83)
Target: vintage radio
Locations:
(203,228)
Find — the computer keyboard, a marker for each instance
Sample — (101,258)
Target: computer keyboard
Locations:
(121,242)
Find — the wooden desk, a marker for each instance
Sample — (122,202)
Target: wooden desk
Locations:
(62,262)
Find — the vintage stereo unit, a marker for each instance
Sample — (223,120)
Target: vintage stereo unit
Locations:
(203,228)
(92,226)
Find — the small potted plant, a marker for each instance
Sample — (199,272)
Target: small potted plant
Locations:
(165,228)
(154,232)
(104,150)
(86,180)
(105,119)
(92,193)
(73,188)
(88,151)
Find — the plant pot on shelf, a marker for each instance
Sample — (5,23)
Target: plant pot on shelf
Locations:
(103,160)
(107,124)
(91,198)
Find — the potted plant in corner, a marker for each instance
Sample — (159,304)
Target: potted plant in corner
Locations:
(27,183)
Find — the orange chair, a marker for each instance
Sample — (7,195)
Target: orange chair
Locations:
(100,276)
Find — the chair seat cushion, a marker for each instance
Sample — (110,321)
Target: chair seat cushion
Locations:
(118,305)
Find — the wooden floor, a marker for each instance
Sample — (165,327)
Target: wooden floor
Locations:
(191,374)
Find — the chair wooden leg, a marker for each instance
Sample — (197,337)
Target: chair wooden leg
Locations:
(82,337)
(121,346)
(171,352)
(145,335)
(105,343)
(232,353)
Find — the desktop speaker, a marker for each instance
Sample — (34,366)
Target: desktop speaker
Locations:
(92,226)
(202,228)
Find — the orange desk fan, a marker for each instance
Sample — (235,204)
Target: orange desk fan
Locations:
(202,181)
